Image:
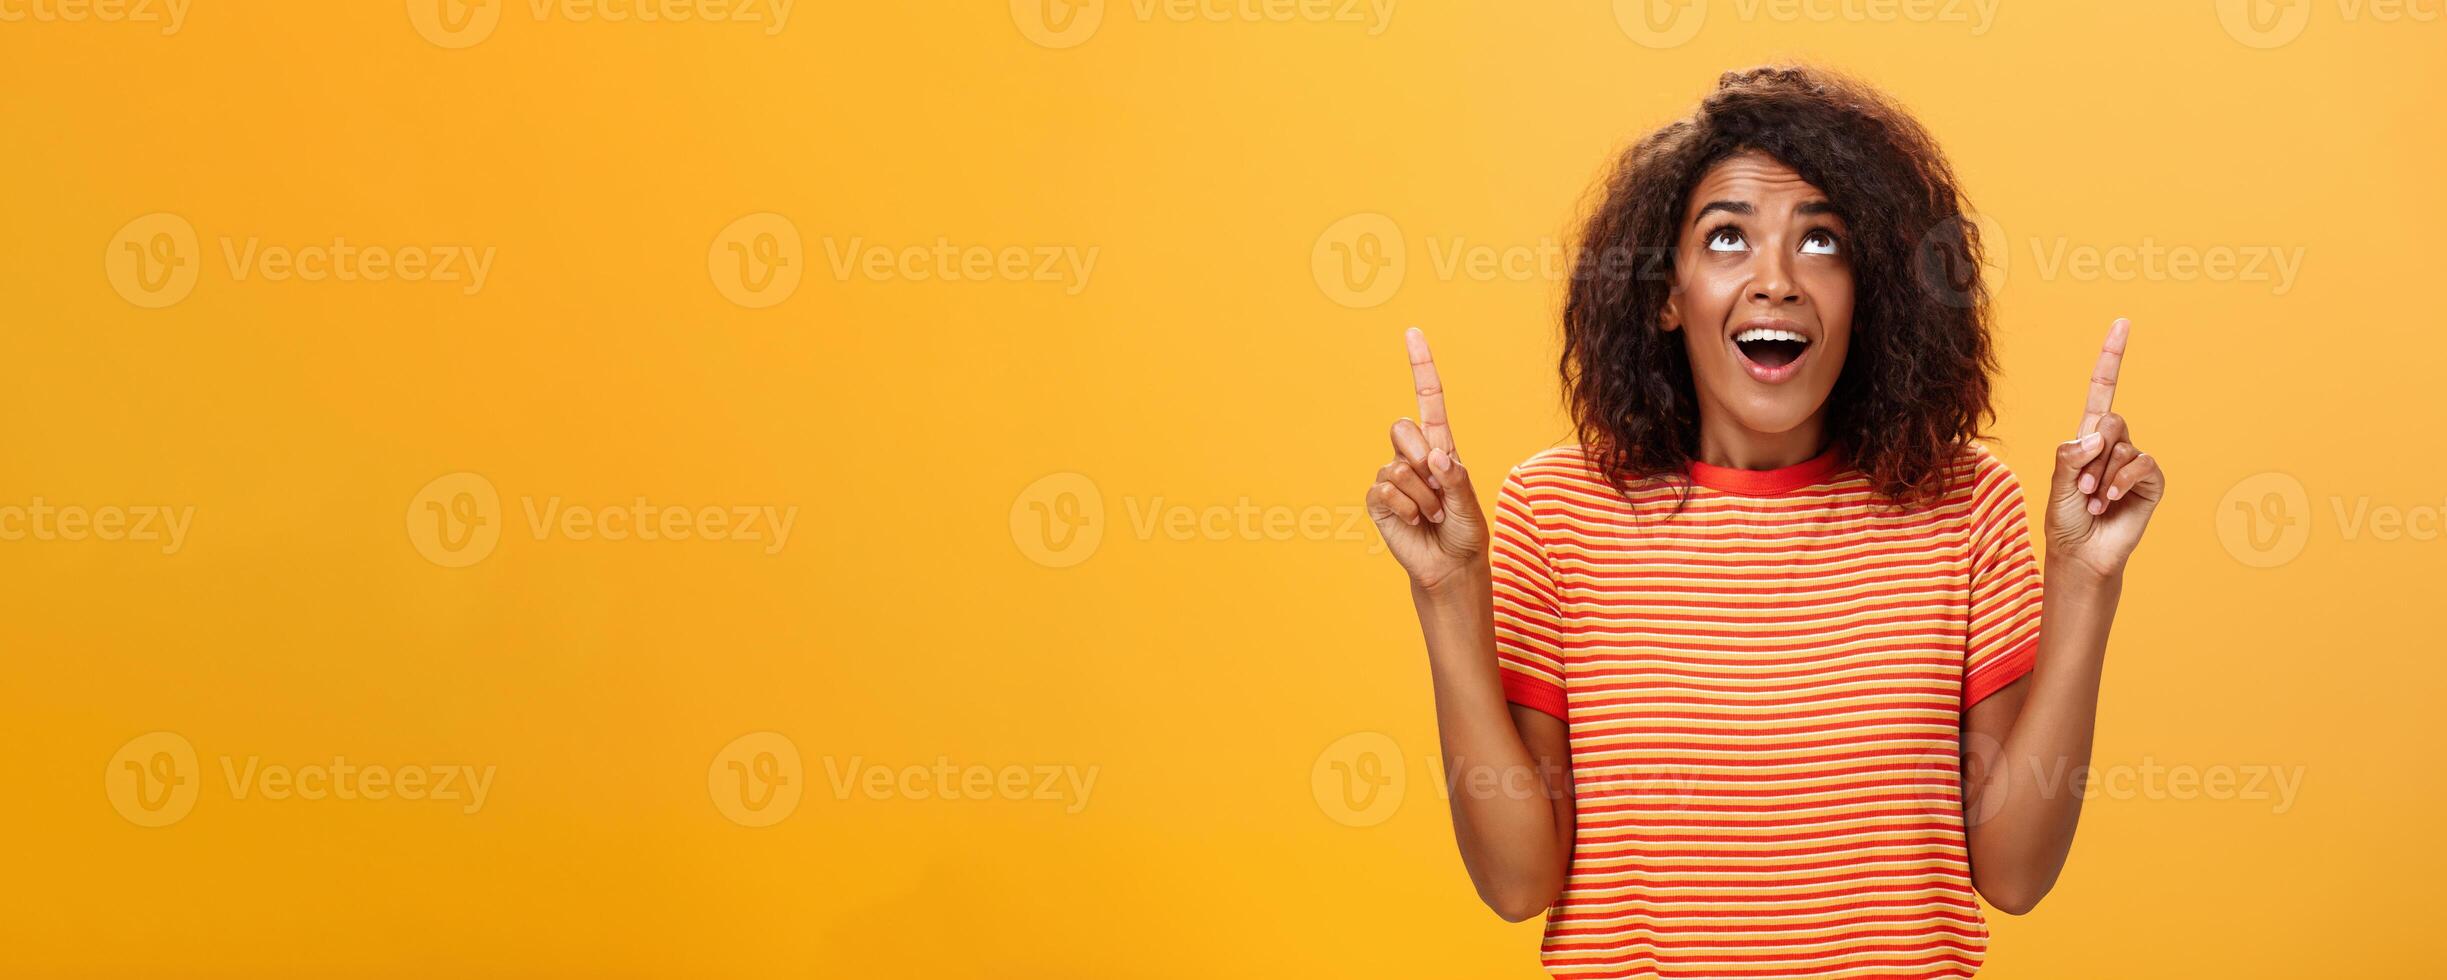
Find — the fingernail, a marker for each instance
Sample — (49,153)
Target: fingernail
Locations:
(1437,517)
(1438,460)
(2114,492)
(2088,481)
(2091,441)
(1414,522)
(2098,507)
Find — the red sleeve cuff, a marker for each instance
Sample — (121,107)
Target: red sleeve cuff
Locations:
(1991,675)
(1532,693)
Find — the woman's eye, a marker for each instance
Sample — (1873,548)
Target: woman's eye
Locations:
(1818,243)
(1725,240)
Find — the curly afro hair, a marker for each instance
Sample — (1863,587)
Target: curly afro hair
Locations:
(1914,390)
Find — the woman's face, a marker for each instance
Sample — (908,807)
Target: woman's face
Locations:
(1763,295)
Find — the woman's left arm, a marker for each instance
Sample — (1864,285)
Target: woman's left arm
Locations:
(2026,748)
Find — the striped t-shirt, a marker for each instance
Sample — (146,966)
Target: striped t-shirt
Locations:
(1765,694)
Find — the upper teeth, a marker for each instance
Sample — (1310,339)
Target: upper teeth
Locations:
(1764,333)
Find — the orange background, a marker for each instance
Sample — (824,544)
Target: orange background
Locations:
(937,604)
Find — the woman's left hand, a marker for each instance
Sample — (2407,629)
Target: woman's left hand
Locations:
(2104,488)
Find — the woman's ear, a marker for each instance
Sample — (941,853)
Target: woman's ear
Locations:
(1671,319)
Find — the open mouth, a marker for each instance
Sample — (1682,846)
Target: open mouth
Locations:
(1769,347)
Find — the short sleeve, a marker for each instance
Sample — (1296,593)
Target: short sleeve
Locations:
(1528,621)
(2005,585)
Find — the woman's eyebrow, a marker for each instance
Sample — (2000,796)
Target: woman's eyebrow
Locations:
(1742,208)
(1818,207)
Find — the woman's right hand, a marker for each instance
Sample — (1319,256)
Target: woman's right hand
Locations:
(1422,501)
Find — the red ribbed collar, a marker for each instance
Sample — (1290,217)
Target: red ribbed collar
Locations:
(1768,483)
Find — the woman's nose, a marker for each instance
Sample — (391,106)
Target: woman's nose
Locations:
(1775,279)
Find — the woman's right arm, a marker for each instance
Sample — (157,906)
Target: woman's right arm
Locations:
(1508,767)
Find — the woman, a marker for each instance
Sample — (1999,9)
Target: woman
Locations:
(1761,679)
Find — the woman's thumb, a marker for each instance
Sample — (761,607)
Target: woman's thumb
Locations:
(2071,456)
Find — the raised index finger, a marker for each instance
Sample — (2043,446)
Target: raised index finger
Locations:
(2103,377)
(1431,392)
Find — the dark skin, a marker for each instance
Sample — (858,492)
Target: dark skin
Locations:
(1760,246)
(1760,249)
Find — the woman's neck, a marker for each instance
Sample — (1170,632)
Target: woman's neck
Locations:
(1724,442)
